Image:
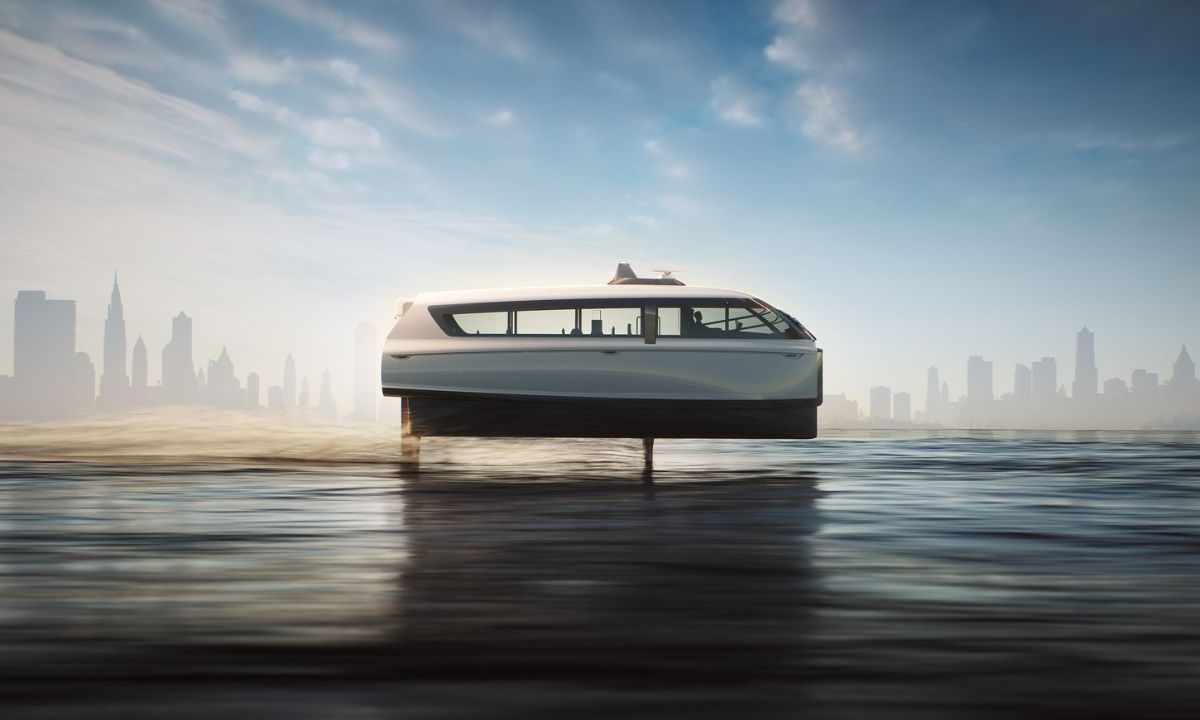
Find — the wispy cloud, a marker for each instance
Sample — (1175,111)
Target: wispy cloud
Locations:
(327,160)
(385,98)
(261,69)
(205,18)
(788,51)
(336,22)
(801,13)
(487,24)
(823,117)
(735,104)
(795,20)
(500,117)
(818,104)
(1125,142)
(665,161)
(343,133)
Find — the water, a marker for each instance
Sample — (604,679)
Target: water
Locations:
(223,566)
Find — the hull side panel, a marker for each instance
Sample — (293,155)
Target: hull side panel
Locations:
(626,373)
(496,416)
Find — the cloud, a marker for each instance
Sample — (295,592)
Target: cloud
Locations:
(47,90)
(487,24)
(1091,139)
(341,26)
(797,19)
(500,117)
(665,161)
(203,18)
(345,133)
(786,50)
(818,104)
(735,105)
(797,12)
(646,221)
(260,69)
(823,117)
(253,103)
(385,98)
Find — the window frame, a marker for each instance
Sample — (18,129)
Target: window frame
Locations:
(443,317)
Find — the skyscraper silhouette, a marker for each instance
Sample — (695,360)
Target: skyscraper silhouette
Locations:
(178,372)
(223,389)
(289,382)
(902,407)
(979,381)
(1022,383)
(1085,385)
(44,361)
(1044,378)
(114,383)
(325,402)
(138,372)
(81,381)
(980,396)
(303,401)
(881,403)
(1183,372)
(252,392)
(1183,389)
(932,393)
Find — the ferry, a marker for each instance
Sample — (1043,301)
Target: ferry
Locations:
(636,358)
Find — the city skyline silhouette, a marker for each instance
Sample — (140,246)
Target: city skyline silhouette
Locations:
(55,379)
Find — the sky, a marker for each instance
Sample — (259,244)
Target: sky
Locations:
(916,182)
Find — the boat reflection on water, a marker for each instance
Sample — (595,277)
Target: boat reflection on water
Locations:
(679,585)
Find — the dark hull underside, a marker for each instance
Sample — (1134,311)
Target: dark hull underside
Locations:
(452,414)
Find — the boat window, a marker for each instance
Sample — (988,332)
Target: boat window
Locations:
(613,321)
(481,323)
(682,318)
(668,321)
(560,321)
(577,319)
(722,319)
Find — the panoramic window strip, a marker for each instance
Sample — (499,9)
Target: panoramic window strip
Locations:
(676,318)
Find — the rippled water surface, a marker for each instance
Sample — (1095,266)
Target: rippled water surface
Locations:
(301,572)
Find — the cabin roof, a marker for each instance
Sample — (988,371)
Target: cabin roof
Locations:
(575,292)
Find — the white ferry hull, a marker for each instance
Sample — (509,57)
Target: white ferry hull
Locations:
(642,372)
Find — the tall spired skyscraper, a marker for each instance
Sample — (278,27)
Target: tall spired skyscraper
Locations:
(114,383)
(1085,365)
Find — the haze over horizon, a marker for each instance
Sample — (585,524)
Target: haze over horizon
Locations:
(916,183)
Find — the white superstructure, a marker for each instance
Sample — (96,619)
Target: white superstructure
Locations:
(554,350)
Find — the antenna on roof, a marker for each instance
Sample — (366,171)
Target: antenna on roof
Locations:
(667,273)
(626,276)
